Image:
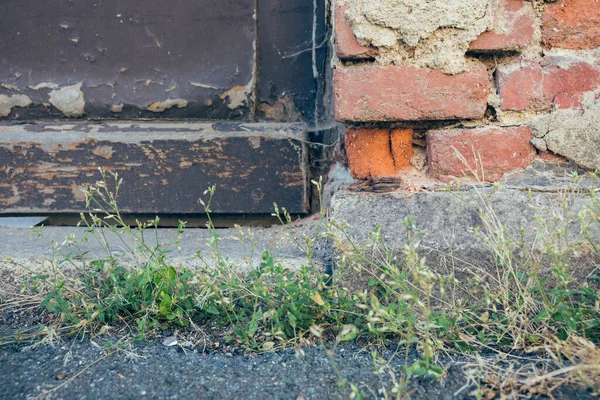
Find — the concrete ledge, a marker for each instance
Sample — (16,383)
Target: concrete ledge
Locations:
(449,218)
(21,255)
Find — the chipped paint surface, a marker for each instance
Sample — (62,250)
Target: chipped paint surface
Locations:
(282,109)
(138,60)
(45,164)
(105,152)
(161,106)
(116,108)
(254,142)
(237,96)
(8,86)
(204,85)
(44,85)
(129,67)
(8,102)
(69,100)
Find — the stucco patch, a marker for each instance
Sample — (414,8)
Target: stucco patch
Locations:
(572,134)
(432,34)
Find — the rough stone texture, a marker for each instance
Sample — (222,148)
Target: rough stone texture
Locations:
(346,45)
(448,246)
(489,151)
(434,34)
(512,28)
(553,82)
(416,20)
(339,175)
(572,24)
(372,93)
(544,176)
(369,153)
(572,134)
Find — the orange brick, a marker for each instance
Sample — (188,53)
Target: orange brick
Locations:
(369,154)
(378,153)
(401,143)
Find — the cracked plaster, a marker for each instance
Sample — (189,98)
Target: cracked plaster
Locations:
(434,34)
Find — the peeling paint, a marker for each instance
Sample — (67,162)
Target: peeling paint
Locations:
(237,96)
(8,102)
(204,85)
(69,100)
(46,167)
(103,151)
(283,109)
(44,85)
(10,87)
(161,106)
(78,193)
(116,108)
(165,63)
(257,195)
(254,142)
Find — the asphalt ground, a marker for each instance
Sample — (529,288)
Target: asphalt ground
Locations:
(99,369)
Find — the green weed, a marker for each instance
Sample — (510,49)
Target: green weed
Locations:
(530,302)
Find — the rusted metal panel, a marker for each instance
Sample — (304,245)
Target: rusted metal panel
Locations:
(293,39)
(127,59)
(165,167)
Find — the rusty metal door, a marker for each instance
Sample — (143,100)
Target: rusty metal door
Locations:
(176,96)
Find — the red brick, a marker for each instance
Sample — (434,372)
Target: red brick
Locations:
(378,153)
(554,82)
(346,45)
(572,24)
(402,93)
(513,29)
(500,150)
(552,158)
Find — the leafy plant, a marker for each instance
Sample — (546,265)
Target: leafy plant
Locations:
(521,305)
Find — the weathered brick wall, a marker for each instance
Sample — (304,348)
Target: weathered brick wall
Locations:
(508,80)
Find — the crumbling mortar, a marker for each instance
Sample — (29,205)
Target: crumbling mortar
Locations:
(442,46)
